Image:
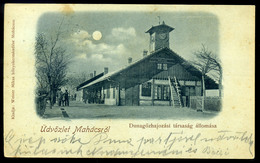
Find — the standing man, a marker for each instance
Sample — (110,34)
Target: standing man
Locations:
(66,98)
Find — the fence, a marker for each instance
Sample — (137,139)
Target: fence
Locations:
(40,104)
(211,103)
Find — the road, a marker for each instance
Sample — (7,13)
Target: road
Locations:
(80,110)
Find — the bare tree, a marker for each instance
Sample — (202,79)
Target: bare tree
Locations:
(218,69)
(207,62)
(51,63)
(76,79)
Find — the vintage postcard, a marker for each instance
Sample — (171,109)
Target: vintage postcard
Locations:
(129,81)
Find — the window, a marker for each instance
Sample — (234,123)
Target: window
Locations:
(152,42)
(159,66)
(114,93)
(162,92)
(162,66)
(146,89)
(155,91)
(159,92)
(189,91)
(166,93)
(165,66)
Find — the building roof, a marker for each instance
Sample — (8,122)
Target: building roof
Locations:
(162,26)
(108,75)
(190,68)
(90,80)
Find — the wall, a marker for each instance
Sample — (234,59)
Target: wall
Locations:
(161,103)
(122,97)
(112,99)
(145,103)
(146,100)
(212,92)
(132,96)
(79,95)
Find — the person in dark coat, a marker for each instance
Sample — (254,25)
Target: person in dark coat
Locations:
(63,99)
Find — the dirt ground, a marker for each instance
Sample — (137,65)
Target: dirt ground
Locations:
(80,110)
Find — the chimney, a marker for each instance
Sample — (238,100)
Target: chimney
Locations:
(105,70)
(130,60)
(145,53)
(94,73)
(91,75)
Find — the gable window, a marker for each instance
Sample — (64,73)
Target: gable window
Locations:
(162,66)
(165,66)
(159,66)
(146,89)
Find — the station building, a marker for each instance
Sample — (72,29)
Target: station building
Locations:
(161,77)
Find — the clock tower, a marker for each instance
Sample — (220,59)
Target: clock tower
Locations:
(159,36)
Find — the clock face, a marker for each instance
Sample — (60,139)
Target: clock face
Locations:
(162,36)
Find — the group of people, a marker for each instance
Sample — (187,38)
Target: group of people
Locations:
(63,98)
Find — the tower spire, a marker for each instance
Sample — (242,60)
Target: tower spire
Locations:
(159,19)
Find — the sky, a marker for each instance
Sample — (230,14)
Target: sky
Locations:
(123,36)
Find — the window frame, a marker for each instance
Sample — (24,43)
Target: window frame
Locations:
(164,66)
(159,66)
(145,92)
(162,92)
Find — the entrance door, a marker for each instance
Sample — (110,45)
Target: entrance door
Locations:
(189,91)
(132,96)
(129,96)
(135,95)
(122,97)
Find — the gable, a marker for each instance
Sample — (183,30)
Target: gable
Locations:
(178,71)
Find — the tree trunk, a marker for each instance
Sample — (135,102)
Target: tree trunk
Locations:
(203,93)
(50,100)
(51,96)
(54,96)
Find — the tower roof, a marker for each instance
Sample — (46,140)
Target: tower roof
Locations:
(162,26)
